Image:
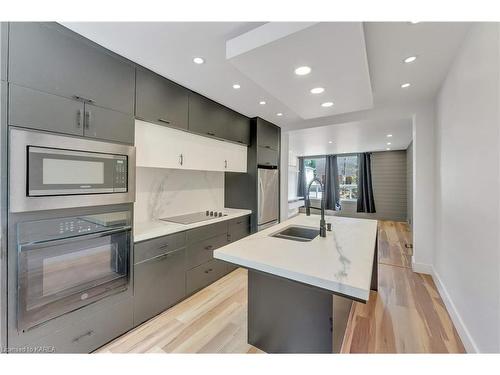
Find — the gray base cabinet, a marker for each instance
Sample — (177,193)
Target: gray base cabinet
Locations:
(88,334)
(204,275)
(158,284)
(170,268)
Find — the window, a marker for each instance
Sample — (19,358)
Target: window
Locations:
(348,176)
(315,167)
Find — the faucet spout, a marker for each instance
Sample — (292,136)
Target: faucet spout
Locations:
(322,223)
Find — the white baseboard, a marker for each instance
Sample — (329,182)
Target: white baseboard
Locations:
(469,344)
(421,268)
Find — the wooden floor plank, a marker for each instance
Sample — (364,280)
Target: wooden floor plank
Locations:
(406,315)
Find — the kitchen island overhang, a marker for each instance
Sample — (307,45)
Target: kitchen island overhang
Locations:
(300,293)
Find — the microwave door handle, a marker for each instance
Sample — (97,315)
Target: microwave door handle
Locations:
(35,244)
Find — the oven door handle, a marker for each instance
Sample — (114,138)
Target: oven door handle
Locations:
(31,245)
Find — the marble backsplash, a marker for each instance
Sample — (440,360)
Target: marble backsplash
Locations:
(169,192)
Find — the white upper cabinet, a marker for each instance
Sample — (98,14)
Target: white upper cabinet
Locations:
(158,146)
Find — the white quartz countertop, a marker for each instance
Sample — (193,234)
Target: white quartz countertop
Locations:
(340,262)
(157,228)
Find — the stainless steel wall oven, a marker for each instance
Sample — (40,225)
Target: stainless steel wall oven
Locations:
(69,262)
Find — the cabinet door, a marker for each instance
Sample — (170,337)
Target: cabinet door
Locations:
(268,135)
(38,110)
(159,283)
(267,156)
(161,101)
(205,274)
(109,125)
(238,129)
(158,146)
(53,59)
(206,117)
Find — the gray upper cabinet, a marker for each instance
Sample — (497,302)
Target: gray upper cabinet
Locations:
(161,101)
(268,135)
(49,58)
(209,118)
(38,110)
(106,124)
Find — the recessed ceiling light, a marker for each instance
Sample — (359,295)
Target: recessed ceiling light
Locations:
(388,143)
(236,86)
(279,114)
(302,70)
(198,60)
(330,141)
(405,85)
(389,135)
(262,102)
(317,90)
(410,59)
(327,104)
(414,22)
(388,149)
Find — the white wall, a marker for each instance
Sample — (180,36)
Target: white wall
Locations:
(423,187)
(169,192)
(466,258)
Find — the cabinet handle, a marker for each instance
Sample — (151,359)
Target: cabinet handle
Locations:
(212,134)
(161,257)
(163,120)
(79,119)
(225,164)
(209,270)
(181,159)
(267,146)
(209,247)
(88,116)
(164,246)
(81,98)
(86,334)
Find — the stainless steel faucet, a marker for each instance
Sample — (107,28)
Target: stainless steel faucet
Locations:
(322,223)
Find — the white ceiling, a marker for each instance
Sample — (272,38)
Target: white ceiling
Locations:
(361,136)
(265,70)
(336,53)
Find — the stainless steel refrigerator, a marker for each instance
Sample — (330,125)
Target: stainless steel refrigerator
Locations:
(268,194)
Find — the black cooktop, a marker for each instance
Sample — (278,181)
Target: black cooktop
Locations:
(195,217)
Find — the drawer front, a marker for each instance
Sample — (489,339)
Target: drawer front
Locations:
(159,283)
(158,246)
(243,221)
(237,232)
(201,276)
(201,252)
(267,156)
(207,231)
(93,332)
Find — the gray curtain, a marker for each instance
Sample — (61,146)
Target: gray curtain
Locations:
(301,185)
(332,190)
(366,203)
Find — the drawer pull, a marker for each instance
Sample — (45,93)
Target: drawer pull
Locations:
(209,270)
(164,121)
(86,334)
(81,98)
(212,134)
(267,146)
(164,246)
(209,247)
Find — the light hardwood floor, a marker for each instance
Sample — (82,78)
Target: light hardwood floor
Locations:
(407,314)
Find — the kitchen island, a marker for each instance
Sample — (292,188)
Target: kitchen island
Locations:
(300,292)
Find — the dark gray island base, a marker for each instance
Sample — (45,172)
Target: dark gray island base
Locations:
(286,316)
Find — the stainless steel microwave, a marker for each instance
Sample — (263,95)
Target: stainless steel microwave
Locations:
(49,171)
